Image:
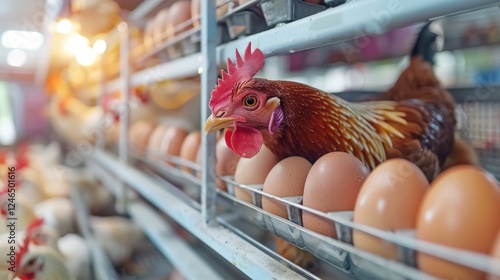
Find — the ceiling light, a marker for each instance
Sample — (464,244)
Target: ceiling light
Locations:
(86,56)
(64,26)
(99,46)
(16,58)
(76,43)
(27,40)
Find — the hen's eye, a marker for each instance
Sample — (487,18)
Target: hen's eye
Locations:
(250,101)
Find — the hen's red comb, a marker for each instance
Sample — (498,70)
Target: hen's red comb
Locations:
(23,249)
(22,160)
(244,69)
(34,224)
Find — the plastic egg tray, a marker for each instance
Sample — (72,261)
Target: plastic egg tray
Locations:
(282,11)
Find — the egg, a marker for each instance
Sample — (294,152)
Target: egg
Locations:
(222,10)
(148,35)
(389,200)
(195,12)
(332,185)
(252,171)
(461,211)
(286,178)
(159,26)
(113,133)
(178,13)
(226,162)
(495,253)
(172,141)
(139,134)
(154,144)
(190,147)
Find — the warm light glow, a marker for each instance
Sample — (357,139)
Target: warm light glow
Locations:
(16,58)
(99,46)
(86,56)
(27,40)
(64,26)
(122,27)
(76,43)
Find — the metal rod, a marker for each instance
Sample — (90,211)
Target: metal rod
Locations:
(208,82)
(123,143)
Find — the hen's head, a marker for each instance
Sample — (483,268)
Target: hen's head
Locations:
(26,266)
(42,234)
(242,104)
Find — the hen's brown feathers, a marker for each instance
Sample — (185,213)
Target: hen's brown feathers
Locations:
(317,123)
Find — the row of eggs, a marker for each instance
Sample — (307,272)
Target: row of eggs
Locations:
(459,209)
(181,16)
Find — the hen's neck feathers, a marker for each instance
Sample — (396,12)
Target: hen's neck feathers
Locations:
(54,267)
(317,123)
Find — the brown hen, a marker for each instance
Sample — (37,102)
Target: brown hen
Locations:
(292,119)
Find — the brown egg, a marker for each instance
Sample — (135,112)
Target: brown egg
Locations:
(332,185)
(190,147)
(113,133)
(253,171)
(460,210)
(287,178)
(159,26)
(223,7)
(148,35)
(172,141)
(195,11)
(139,134)
(227,161)
(178,13)
(389,200)
(222,10)
(495,253)
(154,144)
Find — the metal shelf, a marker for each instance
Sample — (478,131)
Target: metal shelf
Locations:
(348,21)
(334,25)
(243,255)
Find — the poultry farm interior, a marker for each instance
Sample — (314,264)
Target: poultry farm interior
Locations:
(249,139)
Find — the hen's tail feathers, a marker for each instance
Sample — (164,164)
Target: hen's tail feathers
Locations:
(425,46)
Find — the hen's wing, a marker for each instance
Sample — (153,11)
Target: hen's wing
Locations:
(428,135)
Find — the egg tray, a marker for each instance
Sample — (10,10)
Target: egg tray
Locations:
(335,3)
(283,11)
(245,23)
(340,252)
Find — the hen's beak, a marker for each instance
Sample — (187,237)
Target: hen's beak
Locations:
(213,124)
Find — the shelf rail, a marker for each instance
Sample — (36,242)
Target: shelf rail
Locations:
(250,260)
